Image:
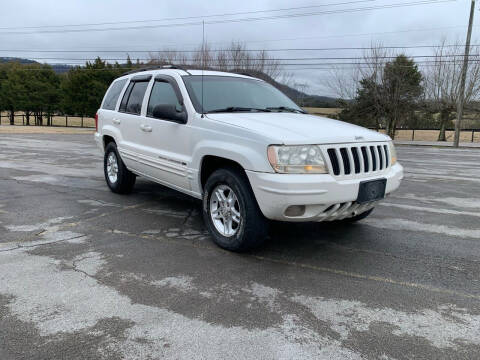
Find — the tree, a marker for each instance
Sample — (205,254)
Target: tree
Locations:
(385,91)
(235,58)
(83,88)
(442,81)
(400,91)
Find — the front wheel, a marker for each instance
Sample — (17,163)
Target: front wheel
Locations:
(119,179)
(231,212)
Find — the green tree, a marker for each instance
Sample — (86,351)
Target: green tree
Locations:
(387,96)
(83,88)
(400,91)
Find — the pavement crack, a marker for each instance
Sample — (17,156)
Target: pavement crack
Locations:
(19,246)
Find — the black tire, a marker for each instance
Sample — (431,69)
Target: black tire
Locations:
(253,227)
(125,178)
(358,217)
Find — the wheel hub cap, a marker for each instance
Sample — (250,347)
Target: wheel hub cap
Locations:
(225,210)
(112,167)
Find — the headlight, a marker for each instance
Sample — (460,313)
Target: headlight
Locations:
(303,159)
(393,153)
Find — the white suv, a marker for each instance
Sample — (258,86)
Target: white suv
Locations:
(243,147)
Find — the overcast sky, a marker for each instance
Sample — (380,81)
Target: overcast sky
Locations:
(399,26)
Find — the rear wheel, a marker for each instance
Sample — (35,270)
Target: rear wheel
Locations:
(231,212)
(119,179)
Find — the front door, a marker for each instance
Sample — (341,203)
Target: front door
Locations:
(166,144)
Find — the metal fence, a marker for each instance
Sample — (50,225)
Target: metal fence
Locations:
(431,134)
(62,120)
(49,120)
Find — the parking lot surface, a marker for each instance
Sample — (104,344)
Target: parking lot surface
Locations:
(88,274)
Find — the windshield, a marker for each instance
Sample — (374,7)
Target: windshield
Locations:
(229,94)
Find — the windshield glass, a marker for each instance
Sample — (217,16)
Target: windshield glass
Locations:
(228,94)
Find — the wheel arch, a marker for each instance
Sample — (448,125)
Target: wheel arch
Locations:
(210,163)
(107,139)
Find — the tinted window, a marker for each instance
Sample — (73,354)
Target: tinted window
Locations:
(133,98)
(113,94)
(123,104)
(227,91)
(162,94)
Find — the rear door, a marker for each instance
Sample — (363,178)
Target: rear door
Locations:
(166,143)
(128,119)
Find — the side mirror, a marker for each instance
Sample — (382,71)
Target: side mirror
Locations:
(169,112)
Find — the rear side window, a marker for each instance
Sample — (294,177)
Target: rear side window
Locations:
(133,97)
(162,94)
(113,94)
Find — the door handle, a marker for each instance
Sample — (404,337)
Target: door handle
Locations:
(146,128)
(116,121)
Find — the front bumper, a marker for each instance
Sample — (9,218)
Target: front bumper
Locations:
(325,197)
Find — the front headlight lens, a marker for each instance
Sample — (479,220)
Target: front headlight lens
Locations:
(303,159)
(393,153)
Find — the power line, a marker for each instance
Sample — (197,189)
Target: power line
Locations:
(226,49)
(324,67)
(278,65)
(271,58)
(304,38)
(285,16)
(187,17)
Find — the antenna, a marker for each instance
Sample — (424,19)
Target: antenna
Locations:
(203,60)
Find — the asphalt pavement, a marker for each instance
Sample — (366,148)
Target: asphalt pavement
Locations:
(88,274)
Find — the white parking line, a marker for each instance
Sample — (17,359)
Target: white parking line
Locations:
(408,225)
(430,209)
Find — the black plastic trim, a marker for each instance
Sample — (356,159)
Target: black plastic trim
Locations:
(139,78)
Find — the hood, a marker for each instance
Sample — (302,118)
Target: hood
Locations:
(294,129)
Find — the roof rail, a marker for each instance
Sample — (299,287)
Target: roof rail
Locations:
(156,67)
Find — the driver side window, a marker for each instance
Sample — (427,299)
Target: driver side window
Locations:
(162,94)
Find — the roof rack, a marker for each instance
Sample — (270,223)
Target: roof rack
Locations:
(157,67)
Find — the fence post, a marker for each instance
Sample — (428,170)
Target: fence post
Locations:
(413,134)
(66,120)
(82,122)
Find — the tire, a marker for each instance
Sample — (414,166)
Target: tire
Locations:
(358,217)
(251,229)
(125,180)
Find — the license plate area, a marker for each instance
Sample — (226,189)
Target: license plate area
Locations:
(371,190)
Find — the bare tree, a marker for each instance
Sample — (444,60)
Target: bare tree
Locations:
(236,57)
(442,81)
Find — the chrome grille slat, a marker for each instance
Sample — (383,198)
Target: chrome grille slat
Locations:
(340,161)
(387,156)
(349,160)
(377,158)
(369,157)
(362,161)
(382,155)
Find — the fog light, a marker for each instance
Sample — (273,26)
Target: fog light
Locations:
(295,210)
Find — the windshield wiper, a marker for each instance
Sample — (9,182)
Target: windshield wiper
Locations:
(237,109)
(285,108)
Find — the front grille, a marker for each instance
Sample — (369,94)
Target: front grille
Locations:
(358,159)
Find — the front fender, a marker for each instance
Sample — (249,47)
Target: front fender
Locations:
(249,157)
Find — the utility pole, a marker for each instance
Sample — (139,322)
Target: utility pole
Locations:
(461,97)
